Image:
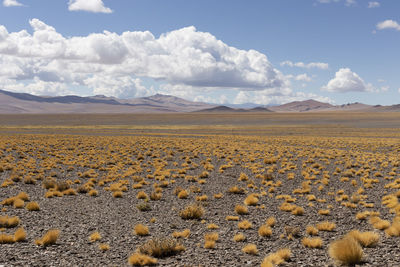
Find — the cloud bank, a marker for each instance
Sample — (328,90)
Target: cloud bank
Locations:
(111,63)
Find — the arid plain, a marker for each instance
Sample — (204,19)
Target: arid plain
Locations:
(193,189)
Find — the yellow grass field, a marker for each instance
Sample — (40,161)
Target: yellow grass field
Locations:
(200,189)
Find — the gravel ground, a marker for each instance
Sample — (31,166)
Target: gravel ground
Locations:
(80,215)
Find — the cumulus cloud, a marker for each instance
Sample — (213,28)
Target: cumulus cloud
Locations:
(318,65)
(347,81)
(373,4)
(303,77)
(9,3)
(111,63)
(95,6)
(388,24)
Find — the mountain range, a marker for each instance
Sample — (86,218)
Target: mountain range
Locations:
(13,103)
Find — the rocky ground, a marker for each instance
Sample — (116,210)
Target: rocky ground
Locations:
(77,216)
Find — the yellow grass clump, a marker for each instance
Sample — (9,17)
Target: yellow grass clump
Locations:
(104,246)
(19,203)
(184,234)
(94,237)
(183,194)
(378,223)
(311,230)
(250,249)
(20,235)
(212,226)
(276,258)
(245,224)
(138,259)
(160,247)
(210,239)
(326,226)
(239,237)
(8,222)
(251,200)
(265,231)
(366,239)
(49,238)
(6,239)
(141,230)
(315,242)
(192,211)
(241,210)
(346,251)
(270,221)
(32,206)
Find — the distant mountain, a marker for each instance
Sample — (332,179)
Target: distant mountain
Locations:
(302,106)
(225,109)
(26,103)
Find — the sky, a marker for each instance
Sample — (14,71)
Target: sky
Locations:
(225,51)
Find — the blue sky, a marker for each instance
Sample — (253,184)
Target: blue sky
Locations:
(265,52)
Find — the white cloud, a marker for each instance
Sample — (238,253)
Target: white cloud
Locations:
(9,3)
(388,24)
(347,81)
(318,65)
(350,2)
(110,63)
(373,4)
(303,77)
(398,90)
(96,6)
(327,1)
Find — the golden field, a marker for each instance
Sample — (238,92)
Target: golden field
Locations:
(315,189)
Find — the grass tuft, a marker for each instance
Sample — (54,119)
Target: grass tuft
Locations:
(346,251)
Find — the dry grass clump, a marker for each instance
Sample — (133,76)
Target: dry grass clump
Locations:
(378,223)
(366,239)
(32,206)
(265,231)
(394,229)
(236,190)
(19,203)
(271,221)
(138,259)
(192,211)
(23,196)
(210,239)
(20,235)
(184,234)
(49,238)
(218,196)
(94,237)
(161,247)
(251,200)
(142,195)
(241,210)
(311,230)
(239,237)
(117,194)
(324,212)
(245,224)
(104,246)
(346,251)
(93,193)
(232,218)
(276,258)
(326,226)
(250,249)
(8,222)
(141,230)
(298,211)
(6,239)
(315,242)
(143,206)
(212,226)
(183,194)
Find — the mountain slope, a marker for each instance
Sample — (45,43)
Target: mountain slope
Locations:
(26,103)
